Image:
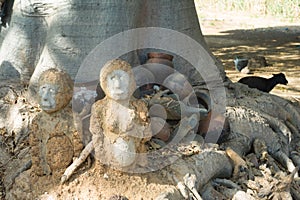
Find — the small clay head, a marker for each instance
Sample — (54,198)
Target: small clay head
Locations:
(55,90)
(117,80)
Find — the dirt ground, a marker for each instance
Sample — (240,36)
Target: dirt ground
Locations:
(234,34)
(228,35)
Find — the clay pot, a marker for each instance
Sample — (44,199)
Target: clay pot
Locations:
(179,85)
(162,58)
(160,129)
(205,101)
(160,64)
(142,76)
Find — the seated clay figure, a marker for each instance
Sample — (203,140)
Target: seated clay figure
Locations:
(54,140)
(119,123)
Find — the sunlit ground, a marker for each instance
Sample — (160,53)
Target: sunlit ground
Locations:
(242,34)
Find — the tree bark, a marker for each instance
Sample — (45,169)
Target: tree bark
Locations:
(61,33)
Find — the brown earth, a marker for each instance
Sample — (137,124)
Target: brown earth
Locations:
(228,35)
(234,34)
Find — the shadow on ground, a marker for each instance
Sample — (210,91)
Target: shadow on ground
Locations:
(279,45)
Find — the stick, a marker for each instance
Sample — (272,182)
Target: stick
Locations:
(83,155)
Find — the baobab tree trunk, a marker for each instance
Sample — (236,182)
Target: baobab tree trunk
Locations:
(61,33)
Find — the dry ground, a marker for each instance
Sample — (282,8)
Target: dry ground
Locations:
(228,35)
(238,34)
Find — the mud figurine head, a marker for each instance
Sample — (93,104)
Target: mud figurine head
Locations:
(55,90)
(117,80)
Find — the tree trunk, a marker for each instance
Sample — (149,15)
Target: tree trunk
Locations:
(62,33)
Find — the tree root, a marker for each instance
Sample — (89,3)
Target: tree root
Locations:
(227,183)
(295,189)
(293,129)
(294,115)
(238,163)
(254,126)
(296,157)
(286,162)
(209,192)
(200,169)
(278,108)
(278,126)
(263,123)
(261,152)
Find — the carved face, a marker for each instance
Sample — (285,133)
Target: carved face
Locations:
(117,80)
(55,90)
(117,85)
(47,93)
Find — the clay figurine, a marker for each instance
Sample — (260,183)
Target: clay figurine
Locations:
(54,140)
(119,123)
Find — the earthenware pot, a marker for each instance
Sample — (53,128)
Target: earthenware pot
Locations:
(160,64)
(162,58)
(179,85)
(205,101)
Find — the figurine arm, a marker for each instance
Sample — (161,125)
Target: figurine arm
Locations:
(95,121)
(96,130)
(78,138)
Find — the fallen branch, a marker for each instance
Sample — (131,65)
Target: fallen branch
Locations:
(83,155)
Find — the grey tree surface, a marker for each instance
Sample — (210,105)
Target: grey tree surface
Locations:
(61,33)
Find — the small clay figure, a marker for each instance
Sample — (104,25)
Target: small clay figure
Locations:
(119,122)
(54,140)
